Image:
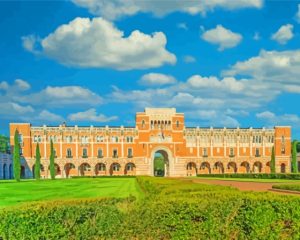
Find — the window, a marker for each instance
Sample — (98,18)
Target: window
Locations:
(84,139)
(152,125)
(143,123)
(282,139)
(54,152)
(69,153)
(204,152)
(129,139)
(53,138)
(129,167)
(129,152)
(69,139)
(177,124)
(231,152)
(35,138)
(21,151)
(116,167)
(99,139)
(283,150)
(100,153)
(257,152)
(115,153)
(39,139)
(84,153)
(101,167)
(20,138)
(114,139)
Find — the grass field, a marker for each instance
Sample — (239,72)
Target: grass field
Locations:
(12,193)
(251,180)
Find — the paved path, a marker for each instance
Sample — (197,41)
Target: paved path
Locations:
(247,186)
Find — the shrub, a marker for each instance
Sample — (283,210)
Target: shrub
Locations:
(255,175)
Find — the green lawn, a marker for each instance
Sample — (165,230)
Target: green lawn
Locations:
(12,193)
(251,180)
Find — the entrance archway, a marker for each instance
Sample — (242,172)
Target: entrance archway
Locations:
(161,162)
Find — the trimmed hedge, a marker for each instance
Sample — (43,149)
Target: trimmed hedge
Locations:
(292,187)
(171,209)
(103,176)
(254,175)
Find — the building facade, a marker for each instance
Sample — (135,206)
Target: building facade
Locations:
(187,151)
(6,166)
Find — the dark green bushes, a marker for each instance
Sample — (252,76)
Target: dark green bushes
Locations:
(292,187)
(255,175)
(171,209)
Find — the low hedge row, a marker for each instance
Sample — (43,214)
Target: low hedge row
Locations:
(121,176)
(292,187)
(295,176)
(171,209)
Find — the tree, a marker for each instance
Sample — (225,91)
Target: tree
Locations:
(16,157)
(273,168)
(294,157)
(52,167)
(37,166)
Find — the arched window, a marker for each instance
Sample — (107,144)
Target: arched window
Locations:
(129,152)
(101,167)
(100,153)
(69,153)
(84,153)
(116,167)
(115,153)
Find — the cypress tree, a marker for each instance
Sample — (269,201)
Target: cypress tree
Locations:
(52,167)
(16,157)
(37,167)
(273,168)
(294,157)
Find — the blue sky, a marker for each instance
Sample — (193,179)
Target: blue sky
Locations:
(222,63)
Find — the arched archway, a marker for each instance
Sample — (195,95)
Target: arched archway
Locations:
(23,175)
(205,168)
(231,167)
(161,163)
(70,170)
(85,169)
(257,167)
(4,171)
(100,169)
(115,169)
(268,167)
(244,167)
(10,172)
(191,169)
(42,171)
(56,169)
(218,168)
(282,168)
(129,169)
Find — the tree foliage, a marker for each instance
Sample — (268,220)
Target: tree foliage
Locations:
(273,168)
(16,157)
(52,167)
(37,166)
(294,157)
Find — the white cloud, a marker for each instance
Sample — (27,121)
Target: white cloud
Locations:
(281,69)
(46,116)
(182,26)
(284,34)
(19,85)
(62,96)
(298,14)
(98,43)
(284,119)
(156,79)
(114,9)
(189,59)
(256,36)
(22,85)
(12,109)
(223,37)
(91,115)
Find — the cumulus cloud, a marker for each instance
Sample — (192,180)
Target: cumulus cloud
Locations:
(90,115)
(97,43)
(62,96)
(114,9)
(156,79)
(189,59)
(284,34)
(281,68)
(223,37)
(284,119)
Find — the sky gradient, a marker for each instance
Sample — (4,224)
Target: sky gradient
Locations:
(222,63)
